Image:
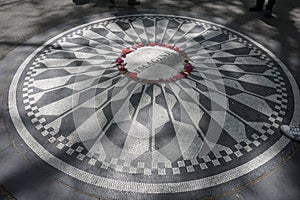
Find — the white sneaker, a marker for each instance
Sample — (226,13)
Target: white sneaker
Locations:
(292,132)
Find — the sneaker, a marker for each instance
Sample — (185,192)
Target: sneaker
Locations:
(255,9)
(133,3)
(291,131)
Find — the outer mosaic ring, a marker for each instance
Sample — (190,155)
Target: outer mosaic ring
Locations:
(142,187)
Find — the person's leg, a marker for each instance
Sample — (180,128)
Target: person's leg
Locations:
(271,4)
(292,132)
(258,6)
(269,8)
(112,2)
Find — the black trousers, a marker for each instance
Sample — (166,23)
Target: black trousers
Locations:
(260,3)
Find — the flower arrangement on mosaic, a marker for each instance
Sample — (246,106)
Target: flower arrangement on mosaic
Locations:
(121,65)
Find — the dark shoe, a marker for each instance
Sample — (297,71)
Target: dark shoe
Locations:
(81,2)
(255,9)
(133,3)
(112,2)
(268,13)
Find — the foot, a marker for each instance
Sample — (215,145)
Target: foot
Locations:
(291,131)
(255,9)
(268,13)
(133,2)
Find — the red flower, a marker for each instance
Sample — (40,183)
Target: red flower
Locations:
(119,60)
(179,76)
(126,51)
(169,46)
(121,67)
(184,74)
(176,48)
(189,67)
(133,75)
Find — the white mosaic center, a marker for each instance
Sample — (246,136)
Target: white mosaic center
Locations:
(154,63)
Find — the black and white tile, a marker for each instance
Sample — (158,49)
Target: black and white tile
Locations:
(218,124)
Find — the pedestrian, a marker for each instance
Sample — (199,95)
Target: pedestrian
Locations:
(292,132)
(260,4)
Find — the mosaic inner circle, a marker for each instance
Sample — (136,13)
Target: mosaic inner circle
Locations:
(153,124)
(155,63)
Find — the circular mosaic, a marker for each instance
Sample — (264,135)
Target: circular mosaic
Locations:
(77,111)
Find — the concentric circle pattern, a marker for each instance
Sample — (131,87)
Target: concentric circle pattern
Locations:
(105,128)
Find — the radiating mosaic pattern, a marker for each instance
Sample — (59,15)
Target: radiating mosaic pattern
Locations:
(81,106)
